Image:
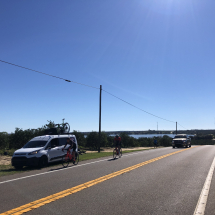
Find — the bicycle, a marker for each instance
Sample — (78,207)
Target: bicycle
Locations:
(56,129)
(117,152)
(69,157)
(63,128)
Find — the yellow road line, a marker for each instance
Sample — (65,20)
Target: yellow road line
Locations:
(38,203)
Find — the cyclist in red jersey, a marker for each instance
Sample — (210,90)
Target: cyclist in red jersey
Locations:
(72,146)
(118,143)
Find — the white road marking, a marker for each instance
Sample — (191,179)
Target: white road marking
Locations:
(16,179)
(201,205)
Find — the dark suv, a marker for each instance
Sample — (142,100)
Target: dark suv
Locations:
(181,140)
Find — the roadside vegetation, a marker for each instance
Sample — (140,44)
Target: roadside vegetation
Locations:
(9,169)
(16,140)
(11,142)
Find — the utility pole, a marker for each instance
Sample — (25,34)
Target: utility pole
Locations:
(157,127)
(100,107)
(176,128)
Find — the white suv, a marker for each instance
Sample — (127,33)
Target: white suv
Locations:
(41,150)
(181,140)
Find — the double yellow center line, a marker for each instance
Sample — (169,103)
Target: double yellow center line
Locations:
(38,203)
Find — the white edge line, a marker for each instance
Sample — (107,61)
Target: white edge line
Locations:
(29,176)
(201,205)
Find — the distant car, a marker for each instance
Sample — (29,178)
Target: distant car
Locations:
(41,150)
(181,140)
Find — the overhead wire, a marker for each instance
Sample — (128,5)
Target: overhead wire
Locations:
(182,126)
(137,107)
(47,74)
(67,80)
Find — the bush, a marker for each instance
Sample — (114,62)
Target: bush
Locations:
(80,138)
(203,137)
(165,141)
(92,140)
(4,140)
(202,142)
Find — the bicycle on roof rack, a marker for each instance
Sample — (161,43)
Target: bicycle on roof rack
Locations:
(63,128)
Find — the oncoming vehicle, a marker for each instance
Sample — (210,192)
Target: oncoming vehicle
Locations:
(181,140)
(42,150)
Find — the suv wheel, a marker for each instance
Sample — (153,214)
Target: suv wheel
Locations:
(43,161)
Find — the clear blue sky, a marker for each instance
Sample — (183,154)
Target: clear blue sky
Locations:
(156,54)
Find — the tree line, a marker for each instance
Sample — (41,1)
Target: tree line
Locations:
(17,139)
(20,137)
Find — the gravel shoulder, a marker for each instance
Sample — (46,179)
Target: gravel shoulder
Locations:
(5,160)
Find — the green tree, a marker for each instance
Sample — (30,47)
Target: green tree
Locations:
(110,140)
(128,141)
(92,140)
(4,140)
(80,138)
(50,124)
(165,141)
(104,140)
(143,142)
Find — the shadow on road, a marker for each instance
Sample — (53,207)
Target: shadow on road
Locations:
(63,167)
(113,159)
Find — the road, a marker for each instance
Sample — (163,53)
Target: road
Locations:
(159,181)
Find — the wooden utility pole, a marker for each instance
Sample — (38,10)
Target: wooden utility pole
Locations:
(100,107)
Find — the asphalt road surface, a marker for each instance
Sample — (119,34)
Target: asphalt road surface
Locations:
(158,181)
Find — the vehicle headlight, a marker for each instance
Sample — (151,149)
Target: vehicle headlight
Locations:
(33,153)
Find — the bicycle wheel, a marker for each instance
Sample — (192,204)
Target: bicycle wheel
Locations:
(65,161)
(120,153)
(114,154)
(76,158)
(66,128)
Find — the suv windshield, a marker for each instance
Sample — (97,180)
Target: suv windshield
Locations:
(35,144)
(180,136)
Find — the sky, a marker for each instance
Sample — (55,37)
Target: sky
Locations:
(157,55)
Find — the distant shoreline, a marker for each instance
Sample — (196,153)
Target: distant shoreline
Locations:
(148,132)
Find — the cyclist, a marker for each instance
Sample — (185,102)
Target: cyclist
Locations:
(70,141)
(118,143)
(155,143)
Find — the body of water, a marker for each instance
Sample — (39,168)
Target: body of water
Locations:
(150,135)
(153,135)
(147,135)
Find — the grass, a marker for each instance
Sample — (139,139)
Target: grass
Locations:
(10,170)
(95,155)
(9,151)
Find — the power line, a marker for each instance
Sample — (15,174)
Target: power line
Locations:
(67,80)
(137,107)
(48,74)
(182,126)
